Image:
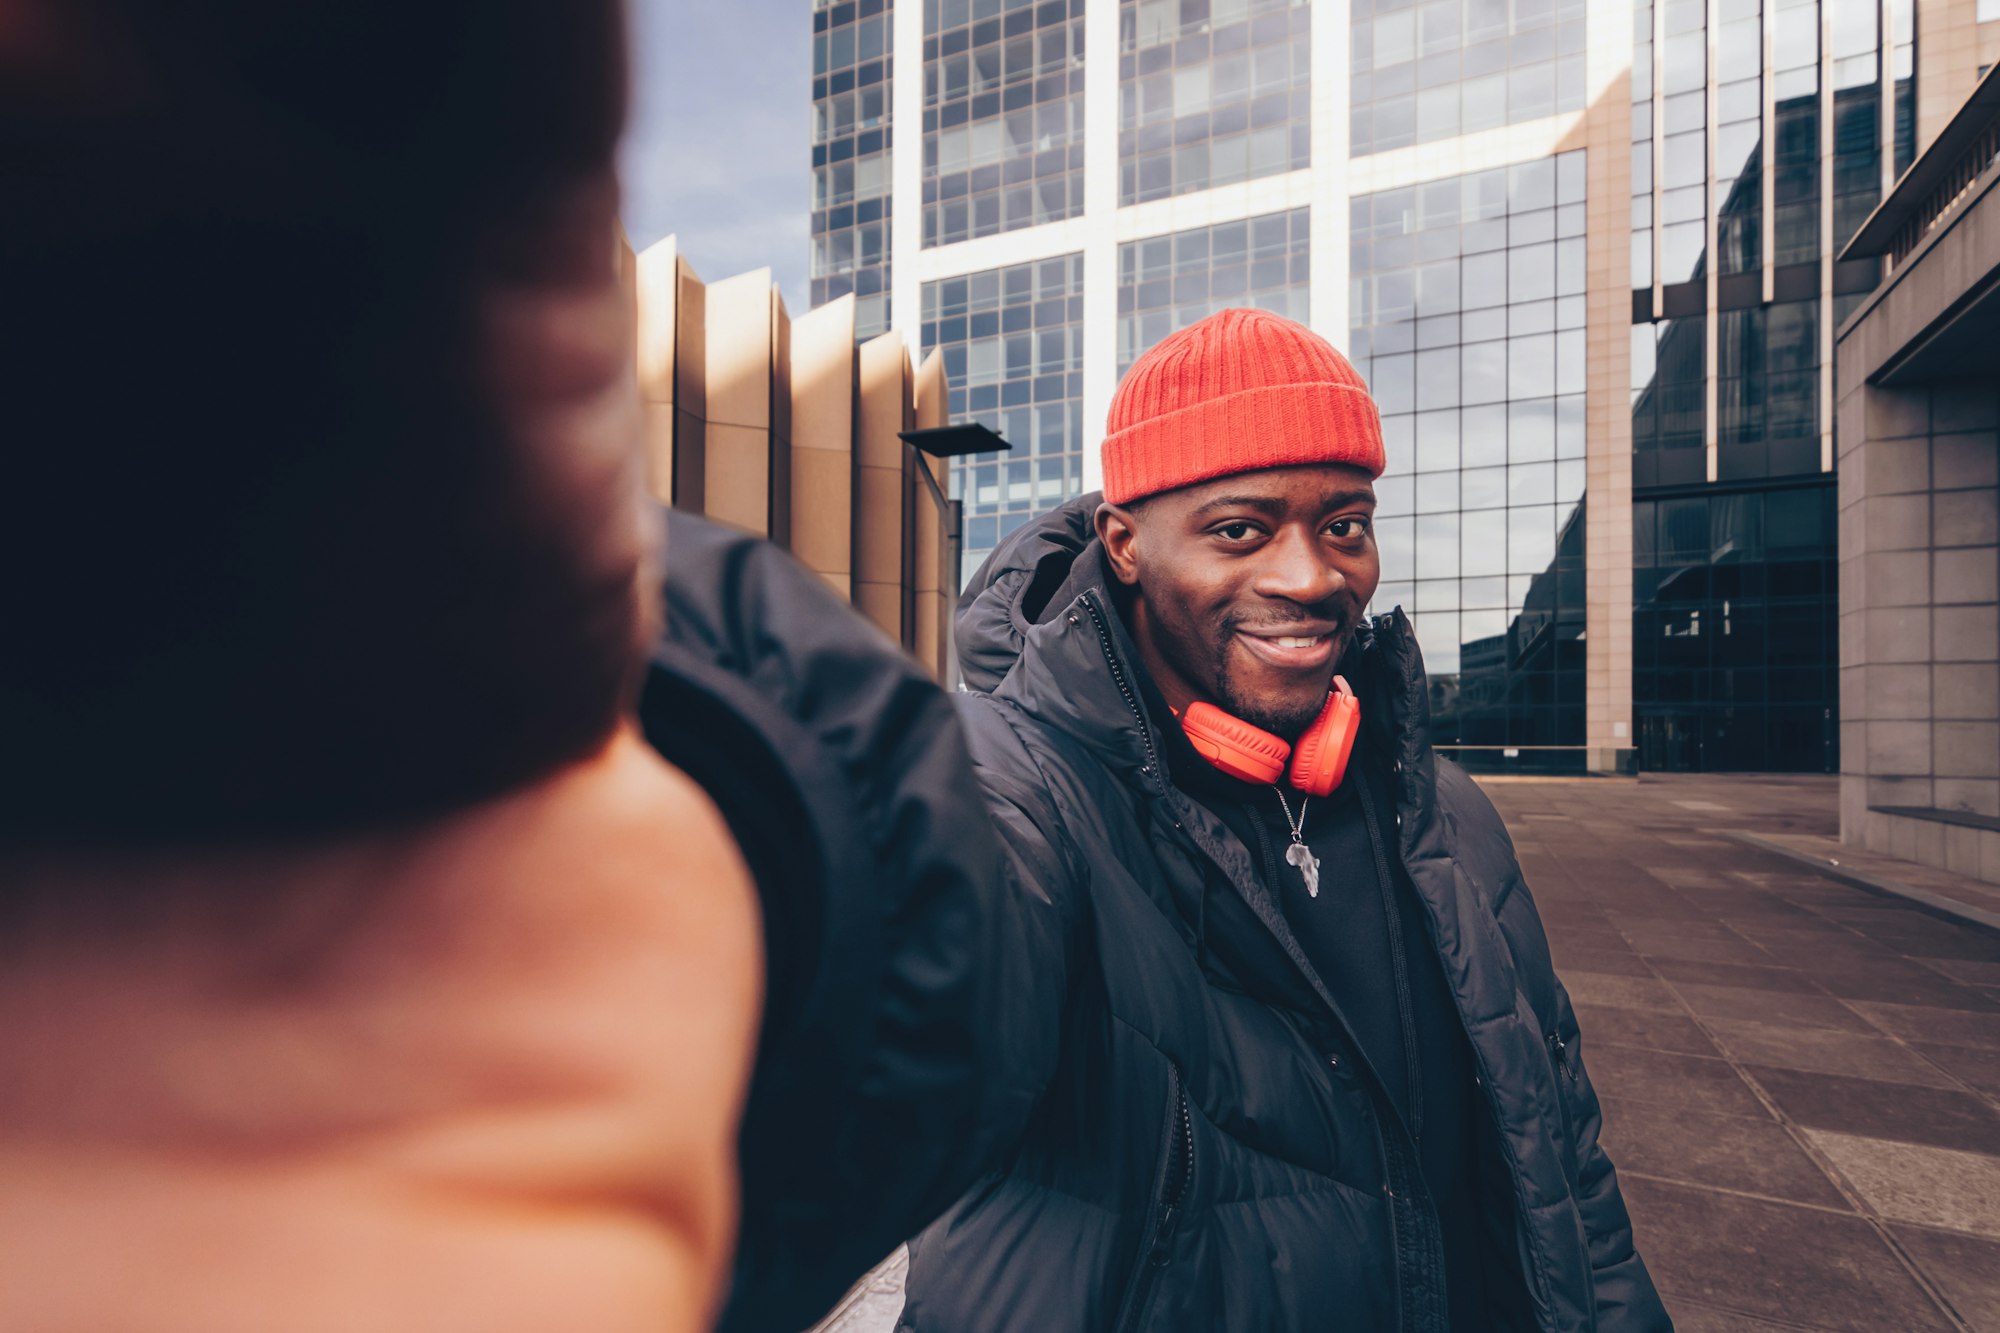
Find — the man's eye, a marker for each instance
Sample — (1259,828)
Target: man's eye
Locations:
(1234,532)
(1347,527)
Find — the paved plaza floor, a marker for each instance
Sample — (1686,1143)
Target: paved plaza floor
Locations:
(1801,1077)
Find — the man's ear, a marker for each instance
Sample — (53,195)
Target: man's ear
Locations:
(1118,529)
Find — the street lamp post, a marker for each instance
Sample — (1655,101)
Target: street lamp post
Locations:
(951,442)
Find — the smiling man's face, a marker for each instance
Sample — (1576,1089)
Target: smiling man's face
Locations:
(1248,587)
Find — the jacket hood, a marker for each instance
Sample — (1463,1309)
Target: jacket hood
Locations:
(1017,586)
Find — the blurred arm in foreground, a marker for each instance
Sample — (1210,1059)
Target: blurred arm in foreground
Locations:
(914,980)
(359,966)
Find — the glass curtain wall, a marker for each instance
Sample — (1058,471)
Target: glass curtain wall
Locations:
(1211,92)
(852,77)
(1423,70)
(1169,282)
(1003,115)
(1734,595)
(1468,312)
(1012,340)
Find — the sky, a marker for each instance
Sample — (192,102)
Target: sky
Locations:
(719,147)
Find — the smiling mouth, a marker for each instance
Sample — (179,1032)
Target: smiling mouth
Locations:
(1290,652)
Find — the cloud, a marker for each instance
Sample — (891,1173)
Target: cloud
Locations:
(719,150)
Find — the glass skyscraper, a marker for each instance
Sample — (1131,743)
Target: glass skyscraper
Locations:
(853,79)
(1582,250)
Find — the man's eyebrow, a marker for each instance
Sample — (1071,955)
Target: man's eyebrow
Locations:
(1272,506)
(1269,505)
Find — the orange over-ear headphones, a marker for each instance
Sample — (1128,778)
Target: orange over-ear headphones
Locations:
(1318,761)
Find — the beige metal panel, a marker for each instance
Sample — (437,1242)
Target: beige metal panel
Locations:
(690,472)
(932,587)
(656,287)
(739,339)
(824,388)
(881,497)
(781,421)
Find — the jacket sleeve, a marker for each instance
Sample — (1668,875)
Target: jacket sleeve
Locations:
(902,1037)
(1625,1297)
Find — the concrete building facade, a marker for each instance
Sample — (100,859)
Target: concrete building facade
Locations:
(1584,250)
(1920,512)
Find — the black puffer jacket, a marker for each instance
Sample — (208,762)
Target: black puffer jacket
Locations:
(1206,1149)
(843,774)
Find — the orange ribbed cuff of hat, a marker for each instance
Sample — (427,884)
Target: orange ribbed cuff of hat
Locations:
(1240,391)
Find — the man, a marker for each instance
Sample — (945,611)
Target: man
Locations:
(1294,1061)
(360,964)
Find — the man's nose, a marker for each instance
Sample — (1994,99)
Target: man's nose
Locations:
(1298,568)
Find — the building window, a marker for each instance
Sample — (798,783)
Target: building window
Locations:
(1003,116)
(851,205)
(1739,137)
(1795,133)
(1012,340)
(1734,636)
(1767,391)
(1169,282)
(1669,417)
(1468,313)
(1421,72)
(1211,92)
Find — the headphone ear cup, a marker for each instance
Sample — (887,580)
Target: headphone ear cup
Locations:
(1320,764)
(1233,745)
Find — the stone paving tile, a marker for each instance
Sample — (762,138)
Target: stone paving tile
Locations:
(1975,1068)
(1723,1152)
(1743,977)
(1692,1317)
(1766,1006)
(1908,1182)
(1900,981)
(1965,1268)
(1945,1027)
(1776,1261)
(1624,992)
(1681,1082)
(1940,1117)
(1820,1051)
(1972,972)
(1648,1029)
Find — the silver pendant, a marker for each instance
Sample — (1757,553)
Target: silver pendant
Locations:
(1300,855)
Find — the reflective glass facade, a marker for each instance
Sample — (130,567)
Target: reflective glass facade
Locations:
(1169,282)
(1733,644)
(1733,578)
(1428,71)
(1211,92)
(1012,340)
(1467,299)
(852,79)
(1003,115)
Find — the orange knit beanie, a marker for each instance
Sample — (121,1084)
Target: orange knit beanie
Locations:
(1240,391)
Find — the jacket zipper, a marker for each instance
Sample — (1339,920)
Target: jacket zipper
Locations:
(1560,1050)
(1176,1177)
(1124,685)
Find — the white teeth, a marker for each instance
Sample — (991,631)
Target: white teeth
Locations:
(1297,643)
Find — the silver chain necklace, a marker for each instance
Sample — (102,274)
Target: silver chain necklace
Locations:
(1298,854)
